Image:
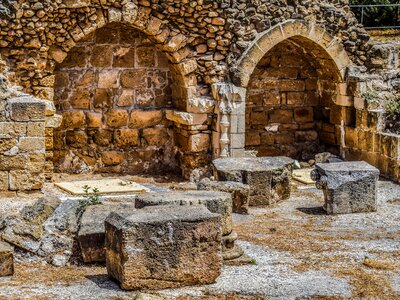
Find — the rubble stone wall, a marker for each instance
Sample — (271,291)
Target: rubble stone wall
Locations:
(113,90)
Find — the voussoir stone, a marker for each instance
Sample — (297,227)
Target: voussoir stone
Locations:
(216,202)
(91,235)
(164,247)
(349,187)
(267,177)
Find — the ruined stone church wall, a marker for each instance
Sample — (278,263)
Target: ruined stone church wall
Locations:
(286,105)
(206,43)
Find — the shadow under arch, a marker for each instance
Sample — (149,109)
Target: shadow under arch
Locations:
(114,90)
(323,44)
(297,100)
(175,48)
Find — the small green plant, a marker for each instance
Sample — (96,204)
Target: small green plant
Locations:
(392,106)
(90,197)
(253,262)
(372,98)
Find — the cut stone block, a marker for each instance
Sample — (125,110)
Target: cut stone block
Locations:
(239,192)
(349,187)
(164,247)
(91,235)
(216,202)
(6,259)
(268,177)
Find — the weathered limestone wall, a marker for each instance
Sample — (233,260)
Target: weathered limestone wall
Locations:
(213,48)
(113,90)
(283,112)
(23,121)
(368,140)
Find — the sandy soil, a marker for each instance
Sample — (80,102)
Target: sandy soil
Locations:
(298,253)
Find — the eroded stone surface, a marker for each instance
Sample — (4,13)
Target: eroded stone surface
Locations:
(216,202)
(6,259)
(47,229)
(267,177)
(239,192)
(164,247)
(349,187)
(26,229)
(91,234)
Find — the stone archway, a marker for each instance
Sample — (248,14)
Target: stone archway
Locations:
(330,47)
(113,90)
(187,146)
(334,100)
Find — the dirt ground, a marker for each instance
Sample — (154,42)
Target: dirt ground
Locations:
(298,253)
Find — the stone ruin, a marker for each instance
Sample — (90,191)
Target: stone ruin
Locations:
(146,87)
(349,187)
(162,247)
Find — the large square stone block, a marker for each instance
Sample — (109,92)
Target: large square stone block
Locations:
(349,187)
(238,190)
(267,177)
(164,247)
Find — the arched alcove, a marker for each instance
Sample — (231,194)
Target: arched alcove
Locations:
(294,100)
(113,90)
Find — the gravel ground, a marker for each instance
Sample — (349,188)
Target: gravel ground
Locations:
(297,250)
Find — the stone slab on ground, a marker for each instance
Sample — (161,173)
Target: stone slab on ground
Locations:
(268,177)
(303,176)
(91,235)
(6,259)
(349,187)
(105,186)
(216,202)
(239,192)
(164,247)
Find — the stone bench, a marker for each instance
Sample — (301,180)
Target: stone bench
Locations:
(267,177)
(164,247)
(91,235)
(6,259)
(349,187)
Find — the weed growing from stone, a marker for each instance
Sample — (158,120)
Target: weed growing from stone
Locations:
(372,98)
(90,198)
